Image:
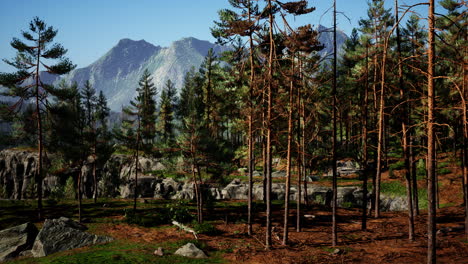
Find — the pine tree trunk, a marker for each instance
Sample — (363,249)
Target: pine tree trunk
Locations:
(414,177)
(39,173)
(251,137)
(288,158)
(94,168)
(79,193)
(268,128)
(298,196)
(381,129)
(334,158)
(200,195)
(136,168)
(404,129)
(364,141)
(431,157)
(465,139)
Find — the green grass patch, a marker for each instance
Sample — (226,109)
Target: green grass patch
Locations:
(398,189)
(120,252)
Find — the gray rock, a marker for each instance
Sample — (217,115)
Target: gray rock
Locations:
(167,188)
(392,203)
(313,178)
(186,192)
(256,174)
(191,251)
(159,252)
(235,190)
(15,240)
(319,194)
(345,197)
(278,174)
(63,234)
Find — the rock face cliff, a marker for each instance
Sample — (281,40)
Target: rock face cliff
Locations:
(117,179)
(17,171)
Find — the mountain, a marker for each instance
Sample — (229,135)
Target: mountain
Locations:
(326,38)
(117,72)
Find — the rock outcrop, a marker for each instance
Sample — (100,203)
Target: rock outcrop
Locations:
(17,171)
(63,234)
(117,179)
(15,240)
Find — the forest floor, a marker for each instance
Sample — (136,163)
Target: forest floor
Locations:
(384,241)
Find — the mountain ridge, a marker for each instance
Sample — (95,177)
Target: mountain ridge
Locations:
(118,71)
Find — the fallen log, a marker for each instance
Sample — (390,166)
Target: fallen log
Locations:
(185,228)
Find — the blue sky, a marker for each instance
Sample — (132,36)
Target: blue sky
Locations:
(89,28)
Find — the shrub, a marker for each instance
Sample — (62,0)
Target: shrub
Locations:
(70,191)
(179,211)
(57,193)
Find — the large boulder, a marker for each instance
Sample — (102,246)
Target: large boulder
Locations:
(167,188)
(319,194)
(63,234)
(118,176)
(186,191)
(16,239)
(191,251)
(393,203)
(235,190)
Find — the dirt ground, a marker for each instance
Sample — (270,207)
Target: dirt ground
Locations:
(385,240)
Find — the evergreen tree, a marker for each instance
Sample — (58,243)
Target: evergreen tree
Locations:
(167,105)
(28,61)
(102,112)
(88,93)
(146,103)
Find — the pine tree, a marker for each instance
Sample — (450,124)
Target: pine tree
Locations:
(28,62)
(242,24)
(167,106)
(147,105)
(66,132)
(102,112)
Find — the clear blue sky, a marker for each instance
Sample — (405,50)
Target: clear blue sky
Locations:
(89,28)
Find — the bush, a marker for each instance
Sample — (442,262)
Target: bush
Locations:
(179,211)
(70,191)
(57,193)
